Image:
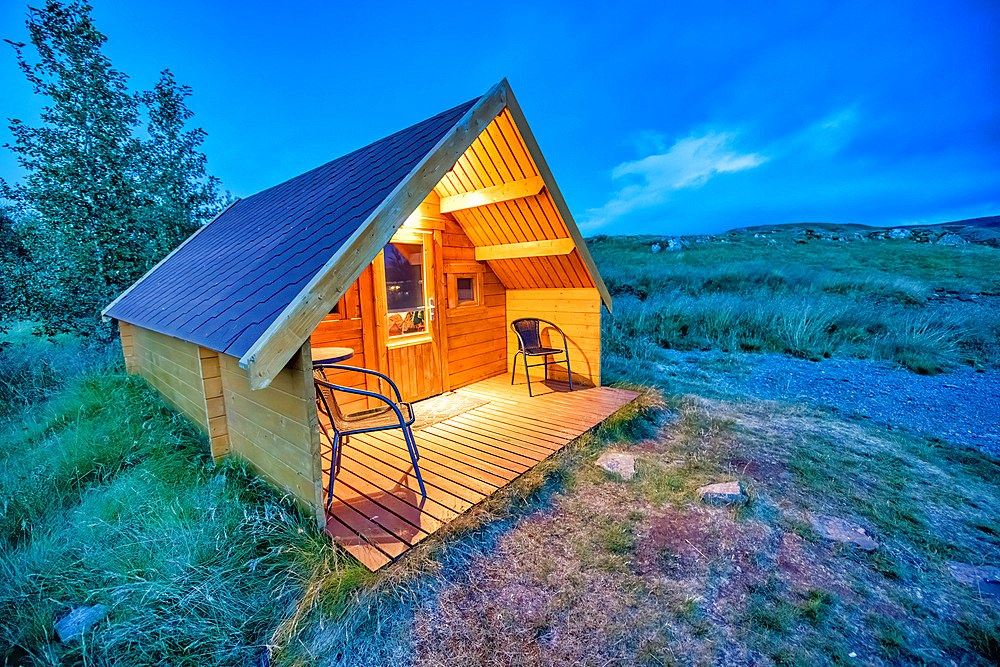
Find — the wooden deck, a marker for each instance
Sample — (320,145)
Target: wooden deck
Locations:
(378,513)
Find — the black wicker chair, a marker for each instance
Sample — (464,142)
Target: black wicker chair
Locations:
(394,414)
(528,330)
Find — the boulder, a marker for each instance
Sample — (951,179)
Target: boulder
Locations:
(656,247)
(985,578)
(723,493)
(78,621)
(899,233)
(843,531)
(622,464)
(950,238)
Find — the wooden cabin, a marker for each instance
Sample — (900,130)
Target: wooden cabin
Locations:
(416,252)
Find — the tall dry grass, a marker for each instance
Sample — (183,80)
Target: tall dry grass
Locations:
(811,302)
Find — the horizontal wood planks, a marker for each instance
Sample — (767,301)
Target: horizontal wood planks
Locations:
(173,368)
(275,429)
(578,313)
(378,514)
(347,329)
(476,343)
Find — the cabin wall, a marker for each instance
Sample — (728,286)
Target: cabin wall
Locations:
(275,429)
(352,326)
(171,366)
(476,342)
(472,337)
(578,313)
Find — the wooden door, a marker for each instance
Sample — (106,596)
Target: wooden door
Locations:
(407,272)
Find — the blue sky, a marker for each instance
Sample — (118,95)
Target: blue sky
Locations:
(665,117)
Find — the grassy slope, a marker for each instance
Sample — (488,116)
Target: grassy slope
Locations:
(110,499)
(866,299)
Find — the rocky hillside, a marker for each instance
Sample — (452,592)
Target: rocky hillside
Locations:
(981,231)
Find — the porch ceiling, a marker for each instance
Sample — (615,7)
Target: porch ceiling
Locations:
(497,159)
(378,513)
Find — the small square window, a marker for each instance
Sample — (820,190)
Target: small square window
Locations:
(465,289)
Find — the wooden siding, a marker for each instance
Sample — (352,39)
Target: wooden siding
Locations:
(276,429)
(346,328)
(475,334)
(473,337)
(577,312)
(173,368)
(499,155)
(378,513)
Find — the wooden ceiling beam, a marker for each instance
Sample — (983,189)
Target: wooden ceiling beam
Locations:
(525,187)
(527,249)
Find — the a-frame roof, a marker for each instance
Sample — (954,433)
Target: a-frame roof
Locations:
(257,280)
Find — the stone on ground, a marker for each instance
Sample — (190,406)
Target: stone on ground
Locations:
(951,238)
(622,464)
(723,493)
(840,530)
(78,621)
(985,578)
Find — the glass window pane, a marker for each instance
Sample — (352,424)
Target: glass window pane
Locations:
(404,288)
(465,290)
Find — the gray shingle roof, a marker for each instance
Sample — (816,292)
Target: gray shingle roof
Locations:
(231,280)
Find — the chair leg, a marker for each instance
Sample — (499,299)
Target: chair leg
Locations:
(527,373)
(569,372)
(411,445)
(513,367)
(334,466)
(545,359)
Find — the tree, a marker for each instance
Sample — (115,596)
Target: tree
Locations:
(103,204)
(181,196)
(15,267)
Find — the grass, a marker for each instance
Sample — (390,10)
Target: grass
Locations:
(862,299)
(109,497)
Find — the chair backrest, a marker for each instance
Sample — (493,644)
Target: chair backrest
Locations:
(326,401)
(527,330)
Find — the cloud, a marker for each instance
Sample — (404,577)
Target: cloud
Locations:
(689,163)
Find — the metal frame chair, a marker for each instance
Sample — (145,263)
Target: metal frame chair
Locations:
(529,338)
(395,414)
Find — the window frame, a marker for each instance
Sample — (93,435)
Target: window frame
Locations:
(477,289)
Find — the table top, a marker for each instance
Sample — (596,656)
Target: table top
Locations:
(331,355)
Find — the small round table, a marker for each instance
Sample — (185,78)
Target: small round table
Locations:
(331,355)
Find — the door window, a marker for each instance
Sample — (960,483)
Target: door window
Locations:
(406,305)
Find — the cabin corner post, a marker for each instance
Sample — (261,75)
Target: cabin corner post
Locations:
(128,347)
(315,449)
(215,403)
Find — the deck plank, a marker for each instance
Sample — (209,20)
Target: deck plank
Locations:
(378,513)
